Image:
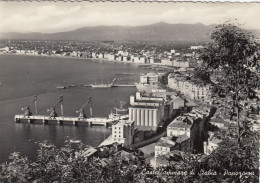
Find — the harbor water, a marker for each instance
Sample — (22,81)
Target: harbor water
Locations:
(21,77)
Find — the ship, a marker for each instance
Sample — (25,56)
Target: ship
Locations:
(145,87)
(61,87)
(120,112)
(103,85)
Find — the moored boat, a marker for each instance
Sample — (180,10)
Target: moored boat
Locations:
(101,85)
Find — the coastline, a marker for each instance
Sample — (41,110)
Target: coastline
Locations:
(80,58)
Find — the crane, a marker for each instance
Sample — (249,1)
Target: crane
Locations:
(81,110)
(53,113)
(26,109)
(121,107)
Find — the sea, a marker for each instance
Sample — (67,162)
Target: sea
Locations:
(22,76)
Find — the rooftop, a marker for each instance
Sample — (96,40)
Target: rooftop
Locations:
(165,143)
(217,120)
(215,140)
(182,138)
(179,125)
(144,107)
(124,122)
(150,74)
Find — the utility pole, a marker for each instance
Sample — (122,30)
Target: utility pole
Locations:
(35,103)
(61,106)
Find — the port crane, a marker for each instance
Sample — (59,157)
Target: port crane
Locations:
(26,109)
(52,110)
(121,109)
(81,110)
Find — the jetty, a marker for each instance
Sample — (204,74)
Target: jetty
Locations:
(117,85)
(61,119)
(72,120)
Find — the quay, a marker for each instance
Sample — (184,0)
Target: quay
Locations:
(74,120)
(59,119)
(117,85)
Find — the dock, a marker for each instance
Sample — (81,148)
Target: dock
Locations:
(53,117)
(123,85)
(117,85)
(73,120)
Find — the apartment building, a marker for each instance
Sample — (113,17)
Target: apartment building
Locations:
(149,78)
(180,126)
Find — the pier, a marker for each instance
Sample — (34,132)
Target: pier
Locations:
(73,120)
(117,85)
(60,119)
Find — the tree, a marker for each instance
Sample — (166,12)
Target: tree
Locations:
(234,52)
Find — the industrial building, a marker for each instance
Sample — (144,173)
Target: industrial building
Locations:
(146,111)
(123,132)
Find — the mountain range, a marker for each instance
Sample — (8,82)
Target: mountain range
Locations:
(155,32)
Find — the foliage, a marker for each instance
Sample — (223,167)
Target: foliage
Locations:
(202,74)
(235,53)
(69,164)
(229,158)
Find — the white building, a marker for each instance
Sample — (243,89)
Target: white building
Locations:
(163,147)
(101,55)
(196,47)
(119,58)
(180,126)
(149,78)
(111,57)
(142,60)
(191,89)
(125,58)
(220,123)
(166,61)
(123,132)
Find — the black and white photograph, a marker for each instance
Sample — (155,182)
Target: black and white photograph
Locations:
(129,92)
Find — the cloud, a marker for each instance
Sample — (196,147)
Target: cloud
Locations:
(55,17)
(37,19)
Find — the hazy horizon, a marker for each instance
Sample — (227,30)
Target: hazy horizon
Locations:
(53,17)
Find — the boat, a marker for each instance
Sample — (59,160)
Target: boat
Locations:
(103,85)
(119,111)
(145,87)
(72,141)
(60,87)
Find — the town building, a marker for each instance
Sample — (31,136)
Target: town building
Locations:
(111,57)
(177,102)
(123,132)
(220,123)
(182,143)
(94,55)
(164,146)
(166,61)
(100,55)
(119,58)
(160,161)
(192,89)
(149,78)
(180,126)
(125,58)
(196,47)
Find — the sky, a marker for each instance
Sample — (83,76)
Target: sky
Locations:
(50,17)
